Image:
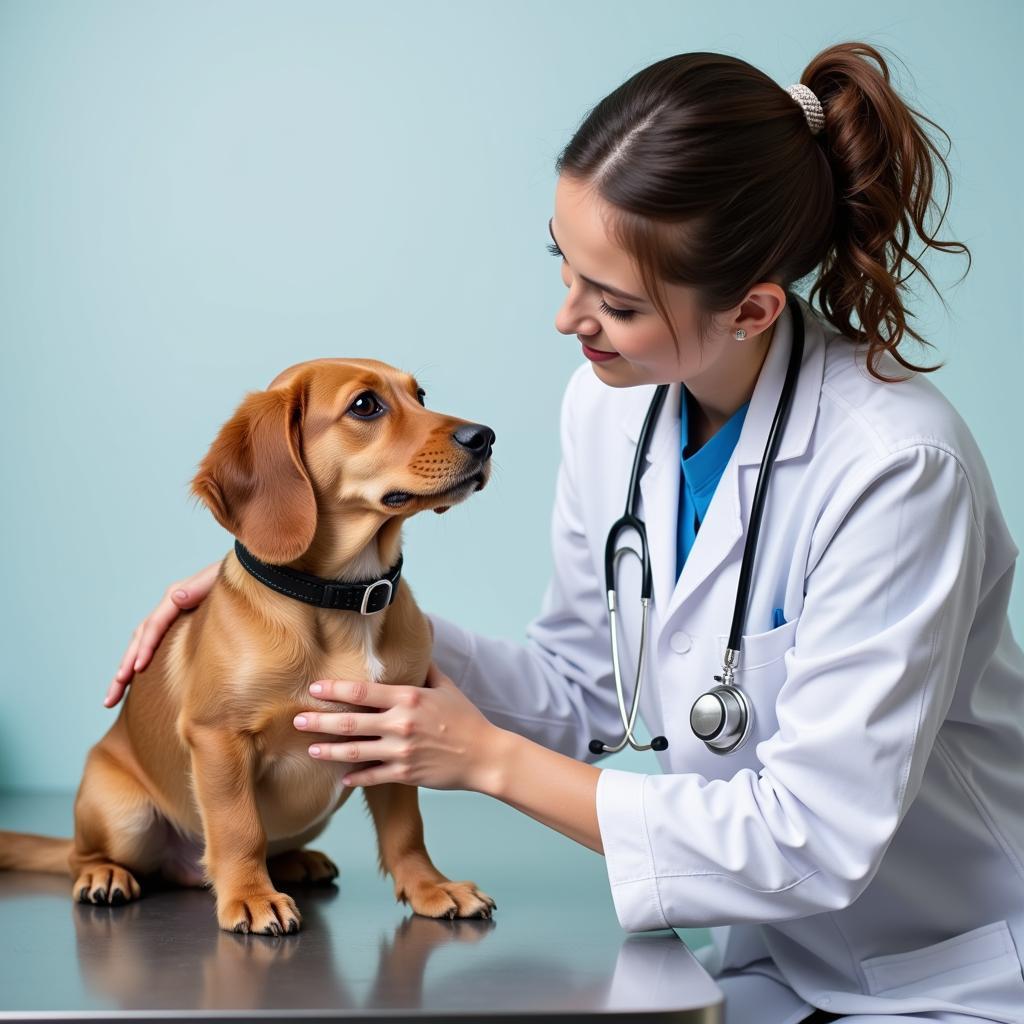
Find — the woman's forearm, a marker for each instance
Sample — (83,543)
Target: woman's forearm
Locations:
(556,790)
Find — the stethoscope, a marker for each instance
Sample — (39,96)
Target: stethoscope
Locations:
(723,716)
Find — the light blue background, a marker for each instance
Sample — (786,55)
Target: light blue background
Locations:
(194,196)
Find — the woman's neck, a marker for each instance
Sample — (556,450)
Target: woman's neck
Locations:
(723,388)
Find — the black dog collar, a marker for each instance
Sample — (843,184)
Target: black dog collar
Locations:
(365,598)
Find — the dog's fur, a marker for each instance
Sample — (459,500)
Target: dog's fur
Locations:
(203,778)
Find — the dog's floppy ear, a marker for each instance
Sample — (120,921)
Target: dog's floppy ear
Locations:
(253,478)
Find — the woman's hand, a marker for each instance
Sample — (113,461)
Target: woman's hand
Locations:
(148,634)
(431,736)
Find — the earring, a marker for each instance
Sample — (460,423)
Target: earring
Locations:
(741,334)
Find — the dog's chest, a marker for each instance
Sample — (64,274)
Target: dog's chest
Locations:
(351,647)
(294,791)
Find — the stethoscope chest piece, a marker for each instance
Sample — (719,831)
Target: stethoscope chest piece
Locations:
(722,718)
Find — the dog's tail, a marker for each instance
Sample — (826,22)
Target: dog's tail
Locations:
(21,851)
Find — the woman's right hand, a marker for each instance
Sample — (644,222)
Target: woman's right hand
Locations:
(148,634)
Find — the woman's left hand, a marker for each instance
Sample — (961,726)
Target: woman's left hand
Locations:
(431,735)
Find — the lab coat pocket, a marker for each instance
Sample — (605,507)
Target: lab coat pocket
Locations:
(978,969)
(760,649)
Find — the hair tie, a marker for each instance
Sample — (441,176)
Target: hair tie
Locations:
(811,106)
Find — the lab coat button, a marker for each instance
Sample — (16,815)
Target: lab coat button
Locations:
(680,642)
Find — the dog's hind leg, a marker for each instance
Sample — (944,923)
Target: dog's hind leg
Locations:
(301,867)
(118,832)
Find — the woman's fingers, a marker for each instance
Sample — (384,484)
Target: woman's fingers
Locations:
(150,631)
(124,672)
(358,751)
(188,593)
(123,676)
(359,691)
(153,630)
(179,596)
(115,692)
(347,723)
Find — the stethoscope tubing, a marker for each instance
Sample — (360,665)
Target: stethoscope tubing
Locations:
(620,695)
(763,475)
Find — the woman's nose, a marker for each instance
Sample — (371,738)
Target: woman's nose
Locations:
(570,319)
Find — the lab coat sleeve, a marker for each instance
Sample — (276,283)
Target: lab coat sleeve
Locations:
(557,688)
(891,589)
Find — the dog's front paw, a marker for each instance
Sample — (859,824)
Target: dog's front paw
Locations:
(450,899)
(261,913)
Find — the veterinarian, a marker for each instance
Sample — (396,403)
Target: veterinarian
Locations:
(846,810)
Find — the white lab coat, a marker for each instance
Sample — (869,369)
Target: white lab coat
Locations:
(865,846)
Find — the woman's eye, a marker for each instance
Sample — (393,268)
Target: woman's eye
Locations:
(366,406)
(615,314)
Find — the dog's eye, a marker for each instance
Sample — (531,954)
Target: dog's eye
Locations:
(366,406)
(421,395)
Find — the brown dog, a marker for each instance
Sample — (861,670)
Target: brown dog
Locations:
(203,777)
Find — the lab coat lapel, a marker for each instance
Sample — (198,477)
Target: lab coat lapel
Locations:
(659,492)
(725,521)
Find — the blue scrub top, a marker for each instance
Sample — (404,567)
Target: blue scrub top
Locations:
(701,471)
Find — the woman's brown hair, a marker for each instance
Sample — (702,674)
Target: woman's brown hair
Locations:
(715,181)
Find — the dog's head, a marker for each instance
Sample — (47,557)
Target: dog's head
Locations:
(336,435)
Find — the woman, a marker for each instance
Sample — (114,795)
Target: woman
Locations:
(862,852)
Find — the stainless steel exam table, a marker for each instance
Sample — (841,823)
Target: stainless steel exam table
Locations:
(554,950)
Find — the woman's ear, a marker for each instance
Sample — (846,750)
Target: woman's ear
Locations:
(253,478)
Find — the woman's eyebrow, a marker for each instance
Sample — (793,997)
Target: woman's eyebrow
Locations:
(597,284)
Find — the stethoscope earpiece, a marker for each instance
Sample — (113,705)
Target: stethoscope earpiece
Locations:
(722,718)
(657,743)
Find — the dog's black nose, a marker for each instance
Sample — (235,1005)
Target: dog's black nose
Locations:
(475,438)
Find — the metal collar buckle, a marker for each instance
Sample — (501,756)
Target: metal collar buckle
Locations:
(366,597)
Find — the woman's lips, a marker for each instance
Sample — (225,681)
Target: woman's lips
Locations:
(595,355)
